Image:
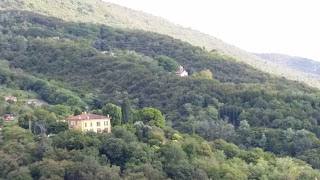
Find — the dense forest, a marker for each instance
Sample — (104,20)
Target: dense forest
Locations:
(225,120)
(104,12)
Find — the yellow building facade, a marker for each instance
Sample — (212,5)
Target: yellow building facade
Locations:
(90,122)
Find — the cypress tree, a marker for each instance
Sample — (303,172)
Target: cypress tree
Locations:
(127,113)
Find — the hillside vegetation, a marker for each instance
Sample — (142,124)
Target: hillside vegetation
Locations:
(298,63)
(226,120)
(97,11)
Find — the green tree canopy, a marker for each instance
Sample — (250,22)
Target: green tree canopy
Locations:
(204,74)
(152,117)
(127,113)
(167,63)
(25,119)
(57,127)
(115,113)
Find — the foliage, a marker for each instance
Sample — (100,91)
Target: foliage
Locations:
(239,110)
(57,127)
(115,113)
(167,63)
(97,11)
(127,113)
(152,117)
(205,74)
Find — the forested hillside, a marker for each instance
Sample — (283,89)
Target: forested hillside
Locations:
(98,11)
(301,64)
(65,64)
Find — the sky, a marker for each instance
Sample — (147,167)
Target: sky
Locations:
(261,26)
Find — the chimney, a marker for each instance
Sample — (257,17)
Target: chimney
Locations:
(87,117)
(107,115)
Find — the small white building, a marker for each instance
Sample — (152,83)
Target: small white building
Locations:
(36,102)
(108,53)
(181,72)
(55,38)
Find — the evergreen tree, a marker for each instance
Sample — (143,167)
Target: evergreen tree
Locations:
(127,114)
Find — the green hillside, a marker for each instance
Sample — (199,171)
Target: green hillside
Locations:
(226,120)
(298,63)
(97,11)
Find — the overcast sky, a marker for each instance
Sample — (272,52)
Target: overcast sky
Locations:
(280,26)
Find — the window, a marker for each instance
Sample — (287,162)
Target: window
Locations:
(85,124)
(99,130)
(105,123)
(72,123)
(98,123)
(91,124)
(105,130)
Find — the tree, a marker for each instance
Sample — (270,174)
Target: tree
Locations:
(19,143)
(45,115)
(152,117)
(114,149)
(180,170)
(115,113)
(70,140)
(205,74)
(25,119)
(142,130)
(127,113)
(18,134)
(57,127)
(107,172)
(22,173)
(231,150)
(211,130)
(77,111)
(123,133)
(173,153)
(233,170)
(145,171)
(61,111)
(312,157)
(190,149)
(167,63)
(138,153)
(47,169)
(88,168)
(20,43)
(7,164)
(175,162)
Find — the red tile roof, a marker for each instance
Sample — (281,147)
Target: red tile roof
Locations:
(10,98)
(8,117)
(87,116)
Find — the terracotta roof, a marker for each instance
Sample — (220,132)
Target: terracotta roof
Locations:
(87,116)
(10,98)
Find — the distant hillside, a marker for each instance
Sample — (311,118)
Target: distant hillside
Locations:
(294,62)
(63,63)
(97,11)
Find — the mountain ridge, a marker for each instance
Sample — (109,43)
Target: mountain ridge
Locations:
(299,63)
(102,12)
